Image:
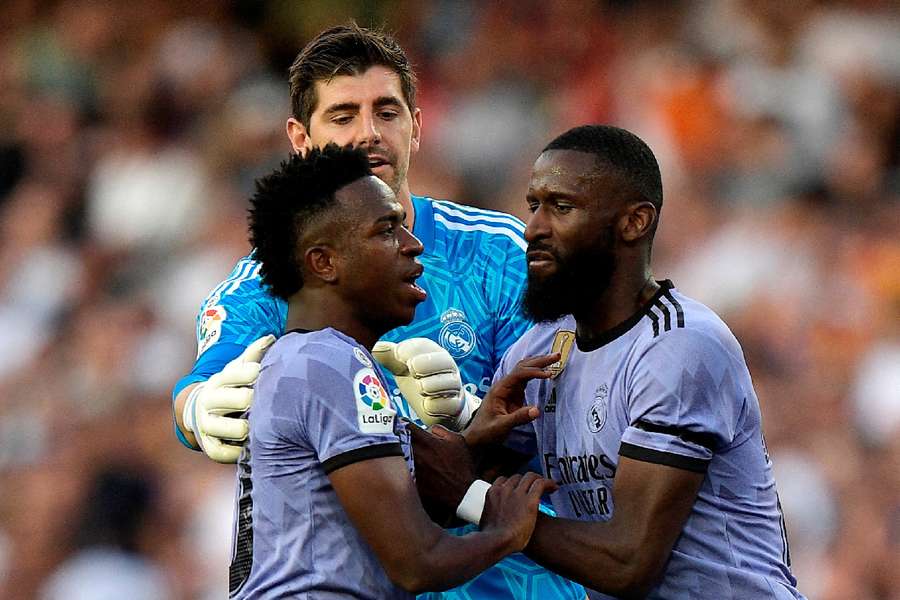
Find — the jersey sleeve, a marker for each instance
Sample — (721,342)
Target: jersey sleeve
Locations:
(345,420)
(682,402)
(230,321)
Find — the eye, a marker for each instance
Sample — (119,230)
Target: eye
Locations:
(563,208)
(388,115)
(341,119)
(533,206)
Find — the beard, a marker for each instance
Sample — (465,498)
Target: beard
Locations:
(577,281)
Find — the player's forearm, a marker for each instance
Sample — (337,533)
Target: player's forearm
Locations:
(178,407)
(597,555)
(450,561)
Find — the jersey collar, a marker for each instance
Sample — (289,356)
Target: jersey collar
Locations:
(626,325)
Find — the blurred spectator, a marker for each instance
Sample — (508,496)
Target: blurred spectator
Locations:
(108,563)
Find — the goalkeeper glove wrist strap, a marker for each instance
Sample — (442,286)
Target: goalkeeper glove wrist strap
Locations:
(189,414)
(472,504)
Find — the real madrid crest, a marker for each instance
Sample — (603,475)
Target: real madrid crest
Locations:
(457,337)
(562,343)
(596,417)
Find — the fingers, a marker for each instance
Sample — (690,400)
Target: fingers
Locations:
(432,363)
(386,354)
(255,351)
(221,452)
(528,369)
(523,415)
(440,384)
(236,374)
(224,428)
(539,362)
(226,399)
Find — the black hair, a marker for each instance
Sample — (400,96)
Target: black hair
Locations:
(345,50)
(288,199)
(627,154)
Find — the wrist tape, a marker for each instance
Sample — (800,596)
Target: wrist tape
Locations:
(472,504)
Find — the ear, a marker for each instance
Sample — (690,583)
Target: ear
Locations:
(638,221)
(416,130)
(321,262)
(298,135)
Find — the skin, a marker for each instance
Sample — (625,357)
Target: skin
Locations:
(365,110)
(358,281)
(571,199)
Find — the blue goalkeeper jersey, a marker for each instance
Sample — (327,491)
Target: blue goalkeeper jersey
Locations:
(475,274)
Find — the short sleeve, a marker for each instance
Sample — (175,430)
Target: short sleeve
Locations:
(684,402)
(345,420)
(229,322)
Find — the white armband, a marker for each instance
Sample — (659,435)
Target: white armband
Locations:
(472,504)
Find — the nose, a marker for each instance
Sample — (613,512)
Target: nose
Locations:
(368,133)
(409,244)
(537,226)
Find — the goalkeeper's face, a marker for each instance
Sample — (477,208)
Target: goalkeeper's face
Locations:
(377,257)
(571,235)
(369,111)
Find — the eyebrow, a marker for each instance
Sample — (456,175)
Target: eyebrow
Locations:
(381,101)
(395,215)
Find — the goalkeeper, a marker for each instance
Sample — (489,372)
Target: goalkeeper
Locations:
(354,86)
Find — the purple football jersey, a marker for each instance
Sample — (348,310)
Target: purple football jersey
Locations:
(668,386)
(320,404)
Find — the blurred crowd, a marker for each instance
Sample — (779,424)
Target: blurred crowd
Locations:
(130,137)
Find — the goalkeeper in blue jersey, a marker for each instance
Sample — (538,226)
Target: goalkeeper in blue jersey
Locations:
(354,86)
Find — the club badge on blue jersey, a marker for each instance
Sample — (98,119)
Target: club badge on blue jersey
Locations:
(457,337)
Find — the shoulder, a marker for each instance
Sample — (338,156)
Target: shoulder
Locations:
(242,288)
(488,227)
(688,331)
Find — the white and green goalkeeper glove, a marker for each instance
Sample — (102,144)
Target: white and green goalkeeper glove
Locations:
(214,410)
(429,380)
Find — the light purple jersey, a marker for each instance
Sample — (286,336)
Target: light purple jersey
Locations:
(320,404)
(668,386)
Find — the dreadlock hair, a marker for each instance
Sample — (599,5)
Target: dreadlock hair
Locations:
(286,202)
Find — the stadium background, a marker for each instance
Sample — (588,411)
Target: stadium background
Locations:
(131,132)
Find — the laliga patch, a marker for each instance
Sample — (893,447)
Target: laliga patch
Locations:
(373,407)
(562,343)
(210,327)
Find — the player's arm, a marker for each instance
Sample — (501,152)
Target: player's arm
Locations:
(381,501)
(625,556)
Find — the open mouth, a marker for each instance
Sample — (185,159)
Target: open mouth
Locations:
(410,280)
(378,161)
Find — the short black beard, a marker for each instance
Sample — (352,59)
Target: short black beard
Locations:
(575,284)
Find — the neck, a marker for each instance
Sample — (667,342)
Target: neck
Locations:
(627,292)
(314,310)
(404,197)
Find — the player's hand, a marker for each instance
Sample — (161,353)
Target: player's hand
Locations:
(214,411)
(444,470)
(502,409)
(511,507)
(429,380)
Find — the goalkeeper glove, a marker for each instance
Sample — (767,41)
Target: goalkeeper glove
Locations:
(214,409)
(429,380)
